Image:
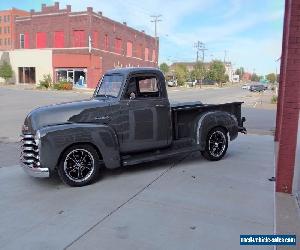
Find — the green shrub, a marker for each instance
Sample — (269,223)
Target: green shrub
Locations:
(6,71)
(274,99)
(63,86)
(46,82)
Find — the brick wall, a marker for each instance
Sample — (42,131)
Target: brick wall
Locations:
(289,98)
(81,25)
(7,26)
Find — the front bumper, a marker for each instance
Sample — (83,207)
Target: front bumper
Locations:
(35,171)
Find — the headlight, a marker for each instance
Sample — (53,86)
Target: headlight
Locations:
(37,138)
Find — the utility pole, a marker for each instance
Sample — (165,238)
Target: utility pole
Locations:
(225,55)
(155,20)
(200,47)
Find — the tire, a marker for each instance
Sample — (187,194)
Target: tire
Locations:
(215,152)
(79,165)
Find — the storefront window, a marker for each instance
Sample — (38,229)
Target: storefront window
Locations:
(75,76)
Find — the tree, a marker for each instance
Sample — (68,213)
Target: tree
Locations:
(271,77)
(164,68)
(199,71)
(217,71)
(255,78)
(181,73)
(6,71)
(240,72)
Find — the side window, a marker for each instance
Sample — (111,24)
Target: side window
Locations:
(148,85)
(142,87)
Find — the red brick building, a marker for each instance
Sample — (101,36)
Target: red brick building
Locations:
(287,121)
(84,44)
(7,27)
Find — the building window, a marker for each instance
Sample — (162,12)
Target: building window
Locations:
(5,41)
(4,19)
(0,30)
(129,49)
(0,19)
(76,76)
(78,38)
(8,29)
(146,54)
(59,39)
(139,51)
(106,43)
(41,40)
(24,40)
(26,74)
(153,55)
(8,18)
(4,30)
(8,41)
(0,42)
(118,45)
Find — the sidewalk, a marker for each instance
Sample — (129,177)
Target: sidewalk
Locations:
(33,87)
(181,203)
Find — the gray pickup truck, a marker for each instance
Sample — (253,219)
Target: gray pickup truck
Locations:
(129,120)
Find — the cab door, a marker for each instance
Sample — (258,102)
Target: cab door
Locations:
(148,123)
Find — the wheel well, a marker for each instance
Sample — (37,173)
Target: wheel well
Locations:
(221,127)
(80,143)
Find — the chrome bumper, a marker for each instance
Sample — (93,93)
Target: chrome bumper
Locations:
(35,171)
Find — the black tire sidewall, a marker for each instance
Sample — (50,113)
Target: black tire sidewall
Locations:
(206,153)
(63,176)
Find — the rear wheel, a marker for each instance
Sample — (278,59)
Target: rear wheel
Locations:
(79,165)
(216,144)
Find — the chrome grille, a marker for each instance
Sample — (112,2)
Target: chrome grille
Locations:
(29,151)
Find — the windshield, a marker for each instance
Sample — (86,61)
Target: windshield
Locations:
(110,86)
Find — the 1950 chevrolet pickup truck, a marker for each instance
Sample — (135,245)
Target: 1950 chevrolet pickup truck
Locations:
(129,120)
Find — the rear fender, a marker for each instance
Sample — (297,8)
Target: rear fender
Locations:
(209,120)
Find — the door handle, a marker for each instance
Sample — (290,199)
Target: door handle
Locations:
(102,118)
(159,105)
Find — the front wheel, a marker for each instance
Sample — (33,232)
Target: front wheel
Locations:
(216,144)
(79,165)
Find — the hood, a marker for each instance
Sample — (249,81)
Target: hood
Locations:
(70,112)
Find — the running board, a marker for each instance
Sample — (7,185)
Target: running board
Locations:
(157,155)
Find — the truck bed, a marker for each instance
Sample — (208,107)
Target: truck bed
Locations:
(184,115)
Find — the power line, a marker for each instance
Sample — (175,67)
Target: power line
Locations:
(200,47)
(155,21)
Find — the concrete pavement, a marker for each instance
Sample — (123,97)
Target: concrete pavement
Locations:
(182,203)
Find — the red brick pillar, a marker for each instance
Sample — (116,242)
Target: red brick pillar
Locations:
(282,72)
(289,98)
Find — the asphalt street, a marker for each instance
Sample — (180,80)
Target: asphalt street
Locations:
(16,103)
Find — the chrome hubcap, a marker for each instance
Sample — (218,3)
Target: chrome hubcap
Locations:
(217,143)
(79,165)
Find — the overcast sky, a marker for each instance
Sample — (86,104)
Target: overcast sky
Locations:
(250,30)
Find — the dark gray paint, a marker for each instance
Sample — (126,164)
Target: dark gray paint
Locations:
(119,126)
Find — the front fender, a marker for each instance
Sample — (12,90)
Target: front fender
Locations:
(209,120)
(55,139)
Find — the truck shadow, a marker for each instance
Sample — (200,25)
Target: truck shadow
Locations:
(176,162)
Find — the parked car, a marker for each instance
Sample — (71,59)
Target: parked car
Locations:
(191,83)
(246,86)
(257,88)
(129,120)
(172,83)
